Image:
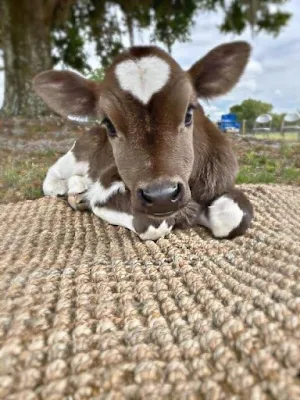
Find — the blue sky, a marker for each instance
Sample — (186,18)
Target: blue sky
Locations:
(272,75)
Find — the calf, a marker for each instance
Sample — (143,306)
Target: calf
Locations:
(153,161)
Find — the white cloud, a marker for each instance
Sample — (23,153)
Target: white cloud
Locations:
(248,84)
(212,111)
(254,67)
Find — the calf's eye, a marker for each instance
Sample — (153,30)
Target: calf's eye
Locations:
(111,130)
(188,117)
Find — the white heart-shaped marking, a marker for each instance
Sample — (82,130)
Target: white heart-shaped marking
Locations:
(144,77)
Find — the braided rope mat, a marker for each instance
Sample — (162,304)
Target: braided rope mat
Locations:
(88,311)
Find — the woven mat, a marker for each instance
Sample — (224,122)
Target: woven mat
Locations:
(88,311)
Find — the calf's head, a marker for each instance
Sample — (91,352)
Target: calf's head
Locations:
(149,106)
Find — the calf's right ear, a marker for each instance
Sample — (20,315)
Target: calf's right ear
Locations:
(67,93)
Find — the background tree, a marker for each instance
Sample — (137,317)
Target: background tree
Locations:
(37,34)
(26,44)
(277,121)
(258,13)
(249,110)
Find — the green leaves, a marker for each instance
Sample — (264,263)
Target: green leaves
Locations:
(250,109)
(173,21)
(260,15)
(106,22)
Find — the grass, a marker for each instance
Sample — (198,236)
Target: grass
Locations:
(21,176)
(22,173)
(288,136)
(264,164)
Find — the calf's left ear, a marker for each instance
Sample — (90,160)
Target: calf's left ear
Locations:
(67,93)
(220,69)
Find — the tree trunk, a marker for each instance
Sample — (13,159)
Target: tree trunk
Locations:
(129,23)
(27,51)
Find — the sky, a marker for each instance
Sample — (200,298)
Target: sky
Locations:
(273,72)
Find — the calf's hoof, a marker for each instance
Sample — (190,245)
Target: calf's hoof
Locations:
(77,201)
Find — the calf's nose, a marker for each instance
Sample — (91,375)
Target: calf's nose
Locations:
(161,197)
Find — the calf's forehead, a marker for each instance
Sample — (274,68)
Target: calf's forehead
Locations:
(143,72)
(152,82)
(143,77)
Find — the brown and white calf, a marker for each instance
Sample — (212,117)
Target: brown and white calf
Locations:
(153,161)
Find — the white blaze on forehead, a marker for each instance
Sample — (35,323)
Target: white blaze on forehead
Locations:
(144,77)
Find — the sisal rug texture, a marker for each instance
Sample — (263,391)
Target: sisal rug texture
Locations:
(88,311)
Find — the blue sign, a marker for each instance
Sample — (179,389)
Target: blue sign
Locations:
(229,123)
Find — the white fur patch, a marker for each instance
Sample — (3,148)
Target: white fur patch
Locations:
(84,119)
(71,149)
(114,217)
(78,118)
(144,77)
(54,187)
(153,233)
(56,181)
(224,216)
(99,194)
(78,184)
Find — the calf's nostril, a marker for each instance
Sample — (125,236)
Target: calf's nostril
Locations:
(145,196)
(176,192)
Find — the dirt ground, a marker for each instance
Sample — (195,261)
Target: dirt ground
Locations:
(29,147)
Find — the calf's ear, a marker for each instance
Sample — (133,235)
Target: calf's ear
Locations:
(67,93)
(220,69)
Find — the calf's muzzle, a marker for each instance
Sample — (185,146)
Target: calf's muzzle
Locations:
(161,198)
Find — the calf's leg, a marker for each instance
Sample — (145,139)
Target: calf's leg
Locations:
(57,179)
(228,215)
